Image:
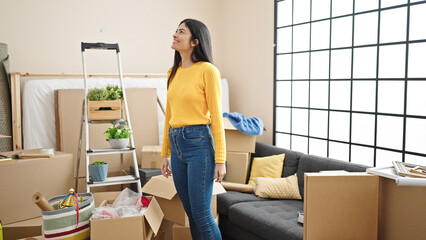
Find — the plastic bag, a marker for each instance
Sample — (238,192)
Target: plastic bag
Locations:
(126,197)
(127,204)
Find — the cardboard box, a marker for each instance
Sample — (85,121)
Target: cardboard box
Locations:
(402,211)
(151,157)
(138,227)
(164,190)
(165,232)
(237,167)
(237,141)
(142,103)
(33,238)
(20,179)
(341,206)
(23,229)
(184,232)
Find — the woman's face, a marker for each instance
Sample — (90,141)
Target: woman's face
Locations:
(182,39)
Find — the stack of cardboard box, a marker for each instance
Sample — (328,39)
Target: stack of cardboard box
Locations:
(239,146)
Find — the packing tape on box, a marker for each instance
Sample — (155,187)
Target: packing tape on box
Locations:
(47,151)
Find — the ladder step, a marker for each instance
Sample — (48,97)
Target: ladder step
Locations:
(107,121)
(115,181)
(105,151)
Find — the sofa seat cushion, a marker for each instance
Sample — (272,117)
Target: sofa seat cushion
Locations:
(273,219)
(226,200)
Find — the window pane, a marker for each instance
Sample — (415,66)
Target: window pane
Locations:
(301,66)
(364,5)
(416,135)
(365,29)
(339,151)
(283,116)
(284,13)
(365,62)
(284,40)
(341,32)
(364,96)
(393,25)
(339,126)
(341,64)
(320,35)
(415,159)
(284,66)
(391,97)
(301,37)
(320,64)
(299,144)
(417,60)
(301,11)
(417,20)
(362,155)
(416,98)
(389,132)
(363,128)
(318,147)
(342,7)
(283,93)
(385,158)
(282,140)
(318,123)
(340,95)
(388,3)
(300,93)
(392,61)
(300,121)
(320,9)
(319,94)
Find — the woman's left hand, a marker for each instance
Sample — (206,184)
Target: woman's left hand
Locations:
(219,172)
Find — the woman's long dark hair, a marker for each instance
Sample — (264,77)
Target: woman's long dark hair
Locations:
(202,51)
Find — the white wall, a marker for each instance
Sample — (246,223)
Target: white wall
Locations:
(44,37)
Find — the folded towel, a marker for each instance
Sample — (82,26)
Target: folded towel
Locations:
(249,126)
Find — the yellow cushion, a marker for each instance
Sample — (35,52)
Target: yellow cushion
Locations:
(271,166)
(281,188)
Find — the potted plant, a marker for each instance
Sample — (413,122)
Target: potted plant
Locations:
(118,136)
(105,103)
(98,171)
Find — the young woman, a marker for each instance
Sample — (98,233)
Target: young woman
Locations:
(194,99)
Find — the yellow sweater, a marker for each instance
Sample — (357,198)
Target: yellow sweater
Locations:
(194,97)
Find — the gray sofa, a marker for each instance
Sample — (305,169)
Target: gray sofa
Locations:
(245,216)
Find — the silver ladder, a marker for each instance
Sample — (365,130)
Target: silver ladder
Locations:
(118,180)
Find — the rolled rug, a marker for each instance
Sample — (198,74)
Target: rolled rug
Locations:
(239,187)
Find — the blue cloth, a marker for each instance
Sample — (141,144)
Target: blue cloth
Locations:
(249,126)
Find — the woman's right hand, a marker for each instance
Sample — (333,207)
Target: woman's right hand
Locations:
(165,168)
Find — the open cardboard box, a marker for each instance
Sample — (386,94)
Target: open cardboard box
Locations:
(165,192)
(138,227)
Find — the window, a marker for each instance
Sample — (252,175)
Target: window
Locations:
(350,79)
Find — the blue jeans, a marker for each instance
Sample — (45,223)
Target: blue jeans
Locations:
(193,166)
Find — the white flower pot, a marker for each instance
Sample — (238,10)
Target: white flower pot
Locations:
(119,143)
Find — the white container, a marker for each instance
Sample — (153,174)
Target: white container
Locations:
(119,143)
